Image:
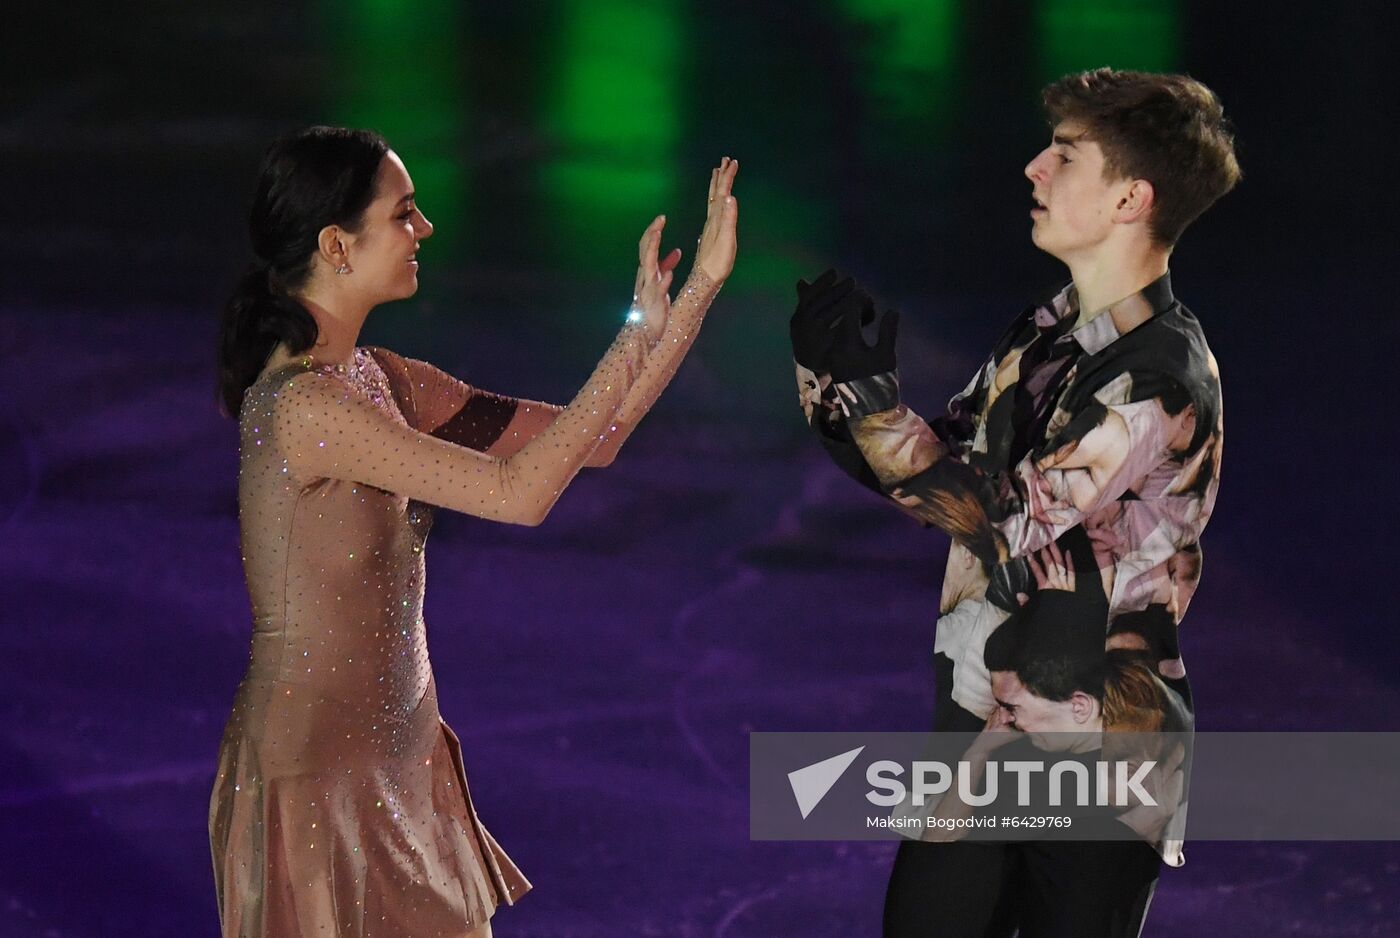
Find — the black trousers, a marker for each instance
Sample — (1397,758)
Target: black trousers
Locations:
(1054,889)
(1058,889)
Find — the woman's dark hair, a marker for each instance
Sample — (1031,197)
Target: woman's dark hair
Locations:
(309,179)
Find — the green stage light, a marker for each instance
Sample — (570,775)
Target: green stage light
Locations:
(1075,35)
(613,117)
(909,57)
(398,71)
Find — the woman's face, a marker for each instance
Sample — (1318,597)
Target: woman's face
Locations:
(382,254)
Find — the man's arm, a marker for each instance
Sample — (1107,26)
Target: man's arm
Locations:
(1110,443)
(821,401)
(827,310)
(1109,446)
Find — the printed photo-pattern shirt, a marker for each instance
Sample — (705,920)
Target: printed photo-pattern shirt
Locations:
(1103,435)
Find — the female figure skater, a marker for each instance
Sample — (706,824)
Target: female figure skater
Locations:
(341,803)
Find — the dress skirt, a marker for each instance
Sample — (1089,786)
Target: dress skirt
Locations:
(325,821)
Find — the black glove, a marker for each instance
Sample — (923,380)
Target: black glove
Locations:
(820,306)
(849,357)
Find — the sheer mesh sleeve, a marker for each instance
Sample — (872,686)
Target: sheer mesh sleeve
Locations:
(324,428)
(456,411)
(687,313)
(682,326)
(451,409)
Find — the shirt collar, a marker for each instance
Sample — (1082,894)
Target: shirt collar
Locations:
(1101,331)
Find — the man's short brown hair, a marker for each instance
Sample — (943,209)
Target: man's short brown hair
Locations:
(1168,129)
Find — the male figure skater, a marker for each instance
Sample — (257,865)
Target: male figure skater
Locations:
(1097,416)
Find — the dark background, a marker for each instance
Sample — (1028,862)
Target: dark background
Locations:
(721,577)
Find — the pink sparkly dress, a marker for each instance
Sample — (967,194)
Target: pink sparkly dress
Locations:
(341,804)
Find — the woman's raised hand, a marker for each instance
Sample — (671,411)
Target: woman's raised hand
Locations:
(718,239)
(650,299)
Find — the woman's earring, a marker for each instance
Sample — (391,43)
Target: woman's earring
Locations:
(343,269)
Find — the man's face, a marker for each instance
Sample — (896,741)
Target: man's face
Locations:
(1074,203)
(1065,720)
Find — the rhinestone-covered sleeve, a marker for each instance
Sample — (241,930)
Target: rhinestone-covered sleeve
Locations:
(687,314)
(454,410)
(325,428)
(447,407)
